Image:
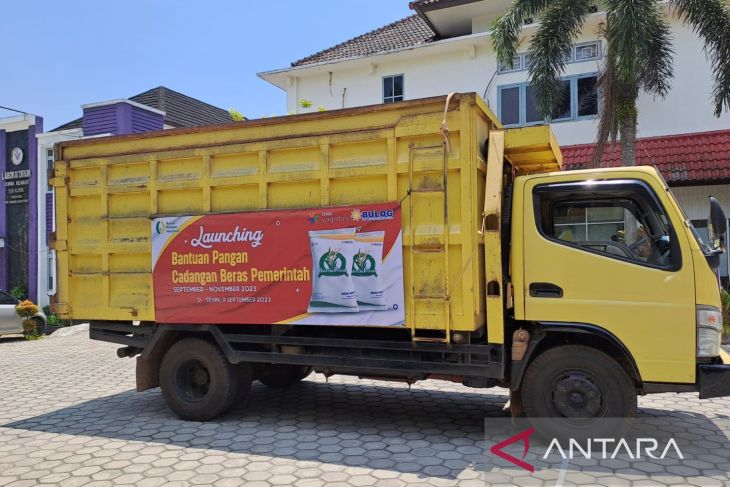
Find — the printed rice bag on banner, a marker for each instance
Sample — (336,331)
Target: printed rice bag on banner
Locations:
(366,264)
(333,290)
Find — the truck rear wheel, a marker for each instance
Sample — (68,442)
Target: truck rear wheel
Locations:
(579,392)
(197,381)
(283,375)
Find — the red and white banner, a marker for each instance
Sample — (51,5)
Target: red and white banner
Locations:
(325,266)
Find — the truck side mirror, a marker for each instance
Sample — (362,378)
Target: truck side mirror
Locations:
(717,225)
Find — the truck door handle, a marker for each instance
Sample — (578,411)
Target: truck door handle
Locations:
(545,290)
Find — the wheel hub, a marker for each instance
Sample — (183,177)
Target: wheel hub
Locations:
(193,380)
(576,395)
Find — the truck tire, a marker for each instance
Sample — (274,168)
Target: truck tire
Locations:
(283,375)
(574,391)
(197,381)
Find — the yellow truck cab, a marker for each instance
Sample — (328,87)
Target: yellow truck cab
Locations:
(577,290)
(606,258)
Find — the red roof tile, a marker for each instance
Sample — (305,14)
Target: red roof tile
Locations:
(702,157)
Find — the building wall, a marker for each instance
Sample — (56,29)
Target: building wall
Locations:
(18,209)
(469,64)
(695,202)
(46,263)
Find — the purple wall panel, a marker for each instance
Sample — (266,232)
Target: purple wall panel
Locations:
(144,121)
(3,217)
(100,120)
(120,119)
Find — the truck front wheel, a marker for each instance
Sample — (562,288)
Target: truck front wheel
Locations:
(197,381)
(282,375)
(577,391)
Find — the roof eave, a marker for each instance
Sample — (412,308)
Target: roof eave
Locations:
(422,10)
(270,76)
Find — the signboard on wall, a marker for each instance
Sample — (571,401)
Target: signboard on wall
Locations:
(17,185)
(325,266)
(15,177)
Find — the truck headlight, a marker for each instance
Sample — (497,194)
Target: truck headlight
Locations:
(709,331)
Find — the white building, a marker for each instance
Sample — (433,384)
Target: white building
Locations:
(446,47)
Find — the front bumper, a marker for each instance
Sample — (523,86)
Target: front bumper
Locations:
(714,380)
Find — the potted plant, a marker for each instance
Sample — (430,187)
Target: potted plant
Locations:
(26,309)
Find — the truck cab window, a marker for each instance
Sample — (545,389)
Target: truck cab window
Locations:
(623,221)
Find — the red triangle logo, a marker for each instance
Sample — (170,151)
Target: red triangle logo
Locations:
(524,437)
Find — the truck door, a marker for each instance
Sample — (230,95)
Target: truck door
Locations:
(606,253)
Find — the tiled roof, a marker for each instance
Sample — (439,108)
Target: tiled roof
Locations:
(702,157)
(409,32)
(180,110)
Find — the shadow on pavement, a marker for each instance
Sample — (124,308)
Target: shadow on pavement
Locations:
(435,433)
(439,433)
(11,338)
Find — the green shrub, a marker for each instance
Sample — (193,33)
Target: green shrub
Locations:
(52,319)
(19,292)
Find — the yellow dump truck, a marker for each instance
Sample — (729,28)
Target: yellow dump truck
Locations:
(417,240)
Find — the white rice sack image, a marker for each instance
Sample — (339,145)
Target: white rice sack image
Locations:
(366,266)
(332,286)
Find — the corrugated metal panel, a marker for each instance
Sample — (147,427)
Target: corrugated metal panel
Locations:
(100,120)
(108,189)
(144,121)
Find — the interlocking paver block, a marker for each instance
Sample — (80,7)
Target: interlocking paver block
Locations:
(82,423)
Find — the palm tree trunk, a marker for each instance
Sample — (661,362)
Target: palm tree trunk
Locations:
(628,142)
(627,118)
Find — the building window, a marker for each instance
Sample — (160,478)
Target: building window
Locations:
(51,263)
(517,65)
(517,104)
(587,51)
(393,88)
(49,166)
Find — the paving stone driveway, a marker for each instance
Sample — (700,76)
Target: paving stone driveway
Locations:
(69,416)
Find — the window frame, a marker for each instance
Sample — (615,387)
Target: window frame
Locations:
(524,65)
(392,99)
(574,52)
(574,117)
(675,263)
(51,280)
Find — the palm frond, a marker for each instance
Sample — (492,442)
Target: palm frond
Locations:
(657,55)
(710,19)
(628,34)
(551,46)
(506,29)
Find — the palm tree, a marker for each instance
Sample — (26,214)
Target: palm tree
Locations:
(639,55)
